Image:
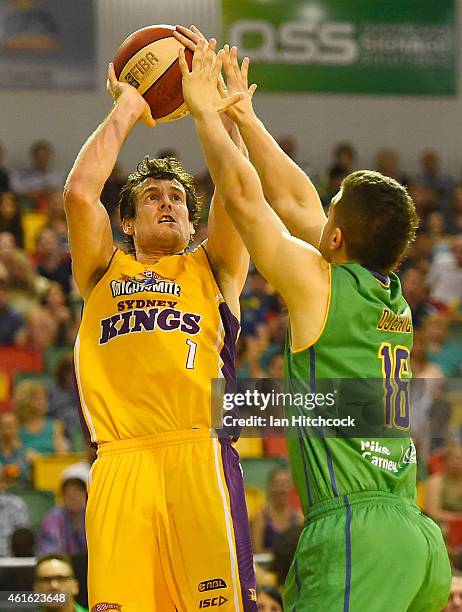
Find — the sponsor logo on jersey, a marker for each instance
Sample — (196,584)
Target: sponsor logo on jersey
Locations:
(146,281)
(212,585)
(378,455)
(391,322)
(409,454)
(212,602)
(105,605)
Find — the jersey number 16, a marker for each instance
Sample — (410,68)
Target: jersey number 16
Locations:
(395,370)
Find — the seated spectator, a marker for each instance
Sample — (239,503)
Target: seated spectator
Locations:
(36,182)
(445,275)
(276,335)
(443,352)
(419,254)
(50,324)
(455,598)
(426,387)
(63,527)
(443,496)
(258,303)
(56,219)
(11,321)
(50,262)
(422,368)
(38,434)
(13,457)
(278,515)
(415,291)
(81,469)
(335,176)
(63,401)
(344,156)
(268,599)
(435,227)
(424,198)
(22,282)
(250,350)
(54,574)
(431,176)
(387,164)
(23,543)
(13,514)
(10,217)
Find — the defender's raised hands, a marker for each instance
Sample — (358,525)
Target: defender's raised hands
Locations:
(236,77)
(200,89)
(237,80)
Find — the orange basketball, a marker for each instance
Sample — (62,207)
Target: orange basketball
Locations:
(148,60)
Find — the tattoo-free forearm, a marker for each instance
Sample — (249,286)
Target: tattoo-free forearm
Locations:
(233,175)
(280,176)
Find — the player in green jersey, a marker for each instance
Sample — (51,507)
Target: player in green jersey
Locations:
(366,546)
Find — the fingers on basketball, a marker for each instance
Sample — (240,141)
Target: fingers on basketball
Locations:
(183,63)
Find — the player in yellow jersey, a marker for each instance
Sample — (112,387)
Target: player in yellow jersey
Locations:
(166,521)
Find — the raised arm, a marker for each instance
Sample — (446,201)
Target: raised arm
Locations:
(90,233)
(287,188)
(294,268)
(226,251)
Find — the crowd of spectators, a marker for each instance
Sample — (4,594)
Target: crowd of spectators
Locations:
(40,312)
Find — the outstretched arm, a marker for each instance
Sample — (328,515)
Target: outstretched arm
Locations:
(90,231)
(225,249)
(289,191)
(294,268)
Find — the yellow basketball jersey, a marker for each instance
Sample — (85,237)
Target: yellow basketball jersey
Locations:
(151,340)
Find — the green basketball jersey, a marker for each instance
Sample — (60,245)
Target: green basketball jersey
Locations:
(362,357)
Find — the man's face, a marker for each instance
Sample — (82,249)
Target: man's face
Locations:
(56,576)
(47,242)
(74,498)
(162,216)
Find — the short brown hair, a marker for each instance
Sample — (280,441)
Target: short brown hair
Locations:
(377,217)
(168,168)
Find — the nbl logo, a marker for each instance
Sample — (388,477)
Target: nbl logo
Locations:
(212,585)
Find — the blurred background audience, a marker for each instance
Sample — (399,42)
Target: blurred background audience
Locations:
(44,458)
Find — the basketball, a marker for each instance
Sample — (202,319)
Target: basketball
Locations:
(148,60)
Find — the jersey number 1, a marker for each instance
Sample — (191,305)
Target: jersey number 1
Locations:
(191,354)
(395,372)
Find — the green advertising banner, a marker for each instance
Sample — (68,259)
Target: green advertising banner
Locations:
(347,46)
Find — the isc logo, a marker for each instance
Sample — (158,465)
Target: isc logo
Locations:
(212,601)
(297,42)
